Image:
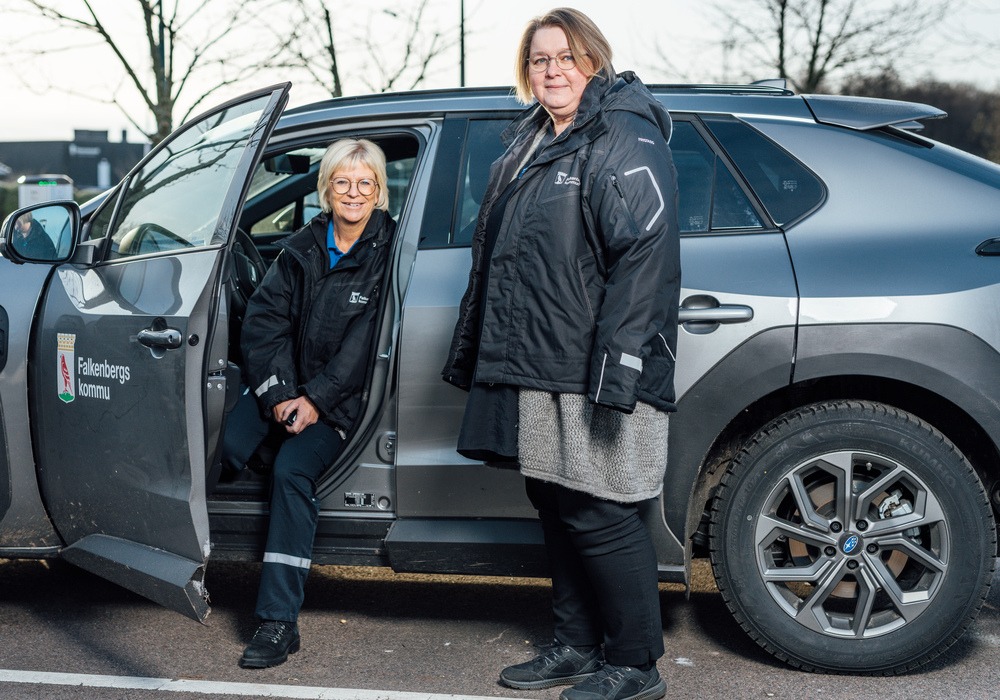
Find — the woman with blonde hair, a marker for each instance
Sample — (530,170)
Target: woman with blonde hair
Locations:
(306,340)
(566,340)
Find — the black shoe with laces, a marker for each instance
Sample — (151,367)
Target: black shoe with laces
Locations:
(273,641)
(560,665)
(618,683)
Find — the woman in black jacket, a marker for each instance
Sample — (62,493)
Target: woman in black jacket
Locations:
(566,340)
(306,341)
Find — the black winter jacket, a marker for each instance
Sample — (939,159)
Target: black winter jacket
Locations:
(308,329)
(582,289)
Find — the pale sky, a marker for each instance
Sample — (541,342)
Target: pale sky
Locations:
(688,30)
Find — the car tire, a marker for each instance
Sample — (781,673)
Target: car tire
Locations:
(873,574)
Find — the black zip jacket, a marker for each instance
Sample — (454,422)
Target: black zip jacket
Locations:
(308,329)
(582,287)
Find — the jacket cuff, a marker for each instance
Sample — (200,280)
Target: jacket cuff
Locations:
(458,378)
(275,396)
(619,402)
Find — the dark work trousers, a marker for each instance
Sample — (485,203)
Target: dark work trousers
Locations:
(604,574)
(301,459)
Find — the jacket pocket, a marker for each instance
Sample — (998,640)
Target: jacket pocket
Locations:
(623,206)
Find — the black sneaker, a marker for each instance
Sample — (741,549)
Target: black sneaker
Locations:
(618,683)
(273,641)
(560,665)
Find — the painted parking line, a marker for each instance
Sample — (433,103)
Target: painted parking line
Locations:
(246,690)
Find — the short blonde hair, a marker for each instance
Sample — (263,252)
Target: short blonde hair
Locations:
(589,46)
(347,153)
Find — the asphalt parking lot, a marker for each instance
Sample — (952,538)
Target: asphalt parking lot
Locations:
(369,633)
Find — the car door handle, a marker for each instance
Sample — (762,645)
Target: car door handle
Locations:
(991,246)
(728,313)
(168,338)
(701,313)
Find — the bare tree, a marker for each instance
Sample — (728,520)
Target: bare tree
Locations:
(813,43)
(182,44)
(419,45)
(394,51)
(305,42)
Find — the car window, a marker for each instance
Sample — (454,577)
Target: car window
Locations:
(398,170)
(709,197)
(100,222)
(174,201)
(786,188)
(482,147)
(286,219)
(281,202)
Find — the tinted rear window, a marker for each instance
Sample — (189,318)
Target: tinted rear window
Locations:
(709,197)
(784,186)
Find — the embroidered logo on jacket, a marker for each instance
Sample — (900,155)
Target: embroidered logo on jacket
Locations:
(358,298)
(564,179)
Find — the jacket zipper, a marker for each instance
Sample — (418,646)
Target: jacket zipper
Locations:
(628,211)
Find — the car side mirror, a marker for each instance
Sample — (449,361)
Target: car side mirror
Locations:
(41,233)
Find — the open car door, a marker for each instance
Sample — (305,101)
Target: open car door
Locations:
(129,355)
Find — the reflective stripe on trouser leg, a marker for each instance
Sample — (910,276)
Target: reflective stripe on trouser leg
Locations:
(292,527)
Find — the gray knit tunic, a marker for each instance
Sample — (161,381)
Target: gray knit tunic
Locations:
(565,439)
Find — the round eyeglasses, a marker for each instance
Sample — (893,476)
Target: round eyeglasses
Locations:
(540,64)
(366,187)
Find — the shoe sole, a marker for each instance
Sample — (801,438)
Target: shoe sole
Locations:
(268,663)
(654,692)
(551,683)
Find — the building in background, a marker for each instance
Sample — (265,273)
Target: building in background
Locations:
(90,160)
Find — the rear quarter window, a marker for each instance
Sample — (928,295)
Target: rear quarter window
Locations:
(709,198)
(787,189)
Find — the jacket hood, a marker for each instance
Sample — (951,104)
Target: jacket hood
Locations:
(629,94)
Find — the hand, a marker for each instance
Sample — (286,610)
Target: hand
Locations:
(305,414)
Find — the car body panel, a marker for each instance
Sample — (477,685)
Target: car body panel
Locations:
(25,527)
(124,362)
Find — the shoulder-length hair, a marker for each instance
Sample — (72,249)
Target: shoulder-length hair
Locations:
(348,153)
(588,44)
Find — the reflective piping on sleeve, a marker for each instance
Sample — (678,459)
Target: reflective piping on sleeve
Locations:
(287,560)
(271,381)
(656,187)
(632,362)
(600,382)
(669,351)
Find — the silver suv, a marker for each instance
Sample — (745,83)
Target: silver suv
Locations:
(837,444)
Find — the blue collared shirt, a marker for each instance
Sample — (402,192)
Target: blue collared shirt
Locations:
(331,245)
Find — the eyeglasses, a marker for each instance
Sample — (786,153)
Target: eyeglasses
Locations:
(366,187)
(540,64)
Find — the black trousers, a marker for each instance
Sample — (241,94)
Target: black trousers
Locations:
(604,574)
(301,459)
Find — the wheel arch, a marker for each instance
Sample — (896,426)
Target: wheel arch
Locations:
(940,374)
